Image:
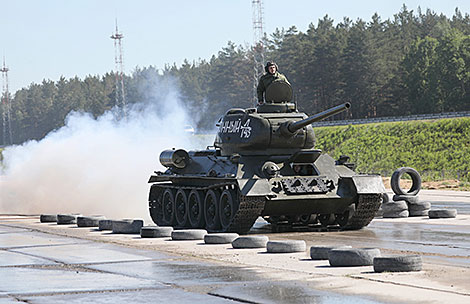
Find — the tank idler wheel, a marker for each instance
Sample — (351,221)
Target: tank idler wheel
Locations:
(307,219)
(168,202)
(196,209)
(228,205)
(326,219)
(342,219)
(156,204)
(181,208)
(211,210)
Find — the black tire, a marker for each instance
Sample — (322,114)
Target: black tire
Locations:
(67,219)
(156,204)
(220,238)
(251,241)
(105,225)
(394,206)
(188,235)
(419,206)
(211,210)
(402,263)
(287,246)
(321,252)
(415,177)
(419,213)
(155,231)
(442,213)
(89,221)
(168,204)
(410,199)
(196,209)
(353,257)
(385,198)
(181,209)
(326,219)
(48,218)
(128,226)
(401,214)
(228,206)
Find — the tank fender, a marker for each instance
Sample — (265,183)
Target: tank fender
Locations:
(254,187)
(368,184)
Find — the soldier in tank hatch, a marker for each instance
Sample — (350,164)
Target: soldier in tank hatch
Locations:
(272,74)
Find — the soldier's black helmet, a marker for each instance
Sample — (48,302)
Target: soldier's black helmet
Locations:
(268,64)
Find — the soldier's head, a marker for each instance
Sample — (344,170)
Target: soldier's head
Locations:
(271,67)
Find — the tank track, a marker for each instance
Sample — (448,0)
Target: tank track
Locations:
(250,207)
(367,207)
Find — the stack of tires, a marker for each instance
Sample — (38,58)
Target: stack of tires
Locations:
(405,202)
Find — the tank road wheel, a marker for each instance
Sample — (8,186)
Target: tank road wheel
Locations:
(181,208)
(211,210)
(227,208)
(343,218)
(195,209)
(326,219)
(155,204)
(168,202)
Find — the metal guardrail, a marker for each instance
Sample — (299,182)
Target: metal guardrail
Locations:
(390,119)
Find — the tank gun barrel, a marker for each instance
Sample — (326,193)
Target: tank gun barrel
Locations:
(294,126)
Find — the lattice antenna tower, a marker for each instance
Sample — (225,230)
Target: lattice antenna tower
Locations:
(119,65)
(6,107)
(258,44)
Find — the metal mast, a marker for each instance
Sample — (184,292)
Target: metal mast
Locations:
(120,96)
(6,107)
(258,45)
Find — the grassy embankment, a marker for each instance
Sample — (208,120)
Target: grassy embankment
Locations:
(438,149)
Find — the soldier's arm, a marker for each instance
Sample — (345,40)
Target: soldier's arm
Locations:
(260,90)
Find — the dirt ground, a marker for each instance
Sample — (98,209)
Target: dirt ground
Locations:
(451,184)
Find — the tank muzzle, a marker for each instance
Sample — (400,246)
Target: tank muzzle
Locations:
(174,158)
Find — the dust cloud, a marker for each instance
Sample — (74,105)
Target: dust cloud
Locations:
(95,166)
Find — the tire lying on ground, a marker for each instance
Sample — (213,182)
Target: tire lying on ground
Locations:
(401,214)
(353,257)
(220,238)
(251,241)
(128,226)
(403,263)
(105,225)
(155,231)
(321,252)
(419,206)
(48,218)
(286,246)
(188,235)
(66,219)
(419,213)
(394,206)
(415,177)
(409,199)
(89,221)
(442,213)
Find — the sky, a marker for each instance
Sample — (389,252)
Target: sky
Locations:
(47,39)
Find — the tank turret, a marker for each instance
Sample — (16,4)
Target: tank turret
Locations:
(263,163)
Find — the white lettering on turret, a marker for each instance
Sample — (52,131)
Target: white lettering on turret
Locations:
(235,126)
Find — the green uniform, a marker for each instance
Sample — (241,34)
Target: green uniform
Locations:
(266,80)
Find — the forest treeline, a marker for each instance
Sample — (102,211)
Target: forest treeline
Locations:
(413,63)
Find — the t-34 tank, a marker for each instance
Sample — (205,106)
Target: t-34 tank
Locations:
(263,163)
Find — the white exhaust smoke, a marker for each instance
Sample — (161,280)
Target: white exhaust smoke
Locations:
(94,166)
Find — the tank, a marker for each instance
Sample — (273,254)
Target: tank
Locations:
(263,163)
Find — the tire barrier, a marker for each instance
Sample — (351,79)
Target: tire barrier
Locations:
(48,218)
(89,221)
(127,226)
(220,238)
(321,252)
(415,177)
(254,241)
(105,225)
(353,257)
(395,209)
(404,213)
(67,219)
(442,213)
(188,234)
(155,231)
(287,246)
(398,263)
(409,199)
(419,209)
